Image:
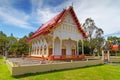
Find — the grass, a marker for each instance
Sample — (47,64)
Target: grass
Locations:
(116,62)
(1,59)
(101,72)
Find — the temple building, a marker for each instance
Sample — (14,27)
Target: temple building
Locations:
(58,38)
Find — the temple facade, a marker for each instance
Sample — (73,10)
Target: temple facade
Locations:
(58,38)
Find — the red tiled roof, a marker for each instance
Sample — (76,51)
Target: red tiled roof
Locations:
(51,24)
(115,47)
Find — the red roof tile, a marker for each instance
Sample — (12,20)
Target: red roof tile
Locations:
(115,47)
(51,24)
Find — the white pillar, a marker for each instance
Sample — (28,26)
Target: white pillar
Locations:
(39,50)
(61,46)
(108,55)
(47,50)
(43,50)
(82,46)
(35,51)
(103,55)
(53,47)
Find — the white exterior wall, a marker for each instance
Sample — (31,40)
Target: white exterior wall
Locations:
(57,48)
(68,29)
(68,48)
(69,44)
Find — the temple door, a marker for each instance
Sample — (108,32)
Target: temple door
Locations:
(50,51)
(73,50)
(63,51)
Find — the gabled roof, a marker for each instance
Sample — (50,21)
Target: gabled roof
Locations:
(51,24)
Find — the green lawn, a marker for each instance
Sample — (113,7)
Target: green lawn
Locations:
(101,72)
(1,59)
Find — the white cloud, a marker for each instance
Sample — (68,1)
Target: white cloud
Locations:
(104,12)
(41,14)
(12,16)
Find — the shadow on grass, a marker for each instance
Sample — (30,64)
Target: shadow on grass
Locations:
(53,71)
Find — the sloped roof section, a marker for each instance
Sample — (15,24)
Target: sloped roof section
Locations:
(51,24)
(115,47)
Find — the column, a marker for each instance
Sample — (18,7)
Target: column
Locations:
(47,50)
(39,50)
(61,46)
(108,55)
(53,47)
(103,55)
(36,51)
(42,50)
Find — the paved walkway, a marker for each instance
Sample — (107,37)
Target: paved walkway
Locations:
(25,61)
(35,61)
(31,61)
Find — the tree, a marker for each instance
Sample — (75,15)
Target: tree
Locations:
(19,47)
(30,34)
(12,45)
(3,43)
(113,40)
(94,34)
(23,46)
(99,32)
(12,42)
(89,27)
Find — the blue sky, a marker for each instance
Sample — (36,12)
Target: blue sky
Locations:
(23,16)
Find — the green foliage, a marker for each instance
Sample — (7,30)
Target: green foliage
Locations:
(13,45)
(86,47)
(30,34)
(23,46)
(3,42)
(95,38)
(20,47)
(113,39)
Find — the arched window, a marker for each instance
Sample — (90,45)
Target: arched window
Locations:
(63,50)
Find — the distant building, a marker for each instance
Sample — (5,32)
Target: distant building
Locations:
(115,47)
(58,38)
